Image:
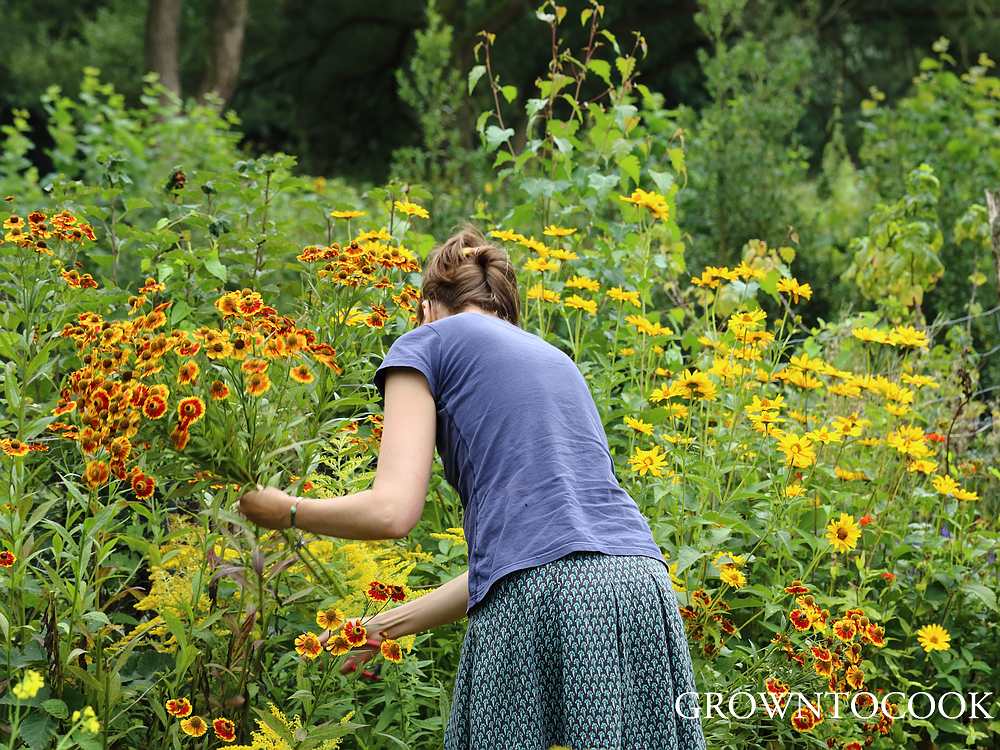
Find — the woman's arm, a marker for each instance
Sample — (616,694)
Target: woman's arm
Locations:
(394,503)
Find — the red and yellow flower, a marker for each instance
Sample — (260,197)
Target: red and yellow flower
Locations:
(178,707)
(308,645)
(224,729)
(355,633)
(194,726)
(391,650)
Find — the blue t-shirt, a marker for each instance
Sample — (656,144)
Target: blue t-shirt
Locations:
(522,443)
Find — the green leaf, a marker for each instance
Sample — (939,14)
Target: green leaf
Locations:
(629,164)
(677,160)
(496,136)
(686,557)
(602,69)
(625,65)
(986,595)
(770,283)
(475,74)
(56,708)
(214,266)
(663,180)
(509,92)
(36,731)
(481,120)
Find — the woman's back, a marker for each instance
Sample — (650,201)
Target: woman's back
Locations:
(522,442)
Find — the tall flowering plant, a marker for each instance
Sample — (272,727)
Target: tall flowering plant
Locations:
(224,397)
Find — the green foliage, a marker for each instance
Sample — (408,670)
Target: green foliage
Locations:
(743,148)
(433,90)
(899,258)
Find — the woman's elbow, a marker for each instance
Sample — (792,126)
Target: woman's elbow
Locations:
(402,518)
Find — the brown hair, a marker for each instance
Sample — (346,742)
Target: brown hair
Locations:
(468,269)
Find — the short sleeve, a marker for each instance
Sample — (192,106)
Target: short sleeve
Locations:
(419,349)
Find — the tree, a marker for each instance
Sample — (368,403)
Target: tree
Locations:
(224,57)
(163,42)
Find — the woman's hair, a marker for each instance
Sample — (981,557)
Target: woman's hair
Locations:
(468,269)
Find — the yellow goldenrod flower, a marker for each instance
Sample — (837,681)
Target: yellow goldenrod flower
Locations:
(28,687)
(454,534)
(88,720)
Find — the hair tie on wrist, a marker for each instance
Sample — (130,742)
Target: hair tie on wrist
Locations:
(292,511)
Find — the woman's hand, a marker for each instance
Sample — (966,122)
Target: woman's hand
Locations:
(268,507)
(360,654)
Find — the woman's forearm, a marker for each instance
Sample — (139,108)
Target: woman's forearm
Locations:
(447,603)
(361,515)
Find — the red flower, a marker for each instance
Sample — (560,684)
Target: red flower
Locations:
(180,437)
(154,407)
(7,559)
(796,587)
(805,720)
(845,629)
(800,620)
(866,519)
(190,410)
(378,591)
(935,437)
(143,485)
(823,654)
(179,707)
(225,730)
(875,634)
(889,577)
(355,632)
(100,400)
(397,593)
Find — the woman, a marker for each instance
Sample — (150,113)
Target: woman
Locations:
(574,636)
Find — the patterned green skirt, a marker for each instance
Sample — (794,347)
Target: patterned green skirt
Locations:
(587,651)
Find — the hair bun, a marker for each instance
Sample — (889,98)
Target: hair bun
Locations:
(468,269)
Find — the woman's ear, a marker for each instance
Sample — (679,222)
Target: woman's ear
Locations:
(427,310)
